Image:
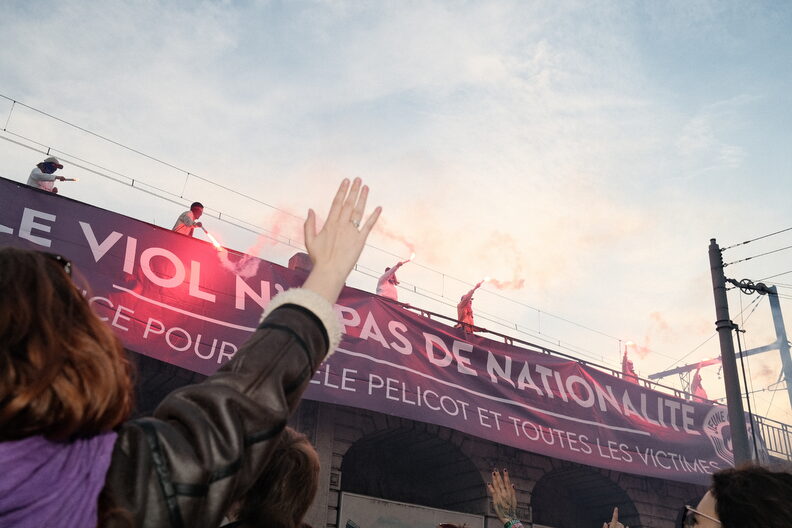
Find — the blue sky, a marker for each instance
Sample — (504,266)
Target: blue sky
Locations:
(591,148)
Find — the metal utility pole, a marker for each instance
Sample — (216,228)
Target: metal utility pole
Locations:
(724,325)
(781,338)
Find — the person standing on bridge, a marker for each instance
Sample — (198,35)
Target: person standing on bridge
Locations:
(43,176)
(188,220)
(465,309)
(386,285)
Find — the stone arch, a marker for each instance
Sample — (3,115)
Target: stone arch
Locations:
(414,466)
(572,495)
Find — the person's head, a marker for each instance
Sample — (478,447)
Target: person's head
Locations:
(63,372)
(197,209)
(287,487)
(50,165)
(748,497)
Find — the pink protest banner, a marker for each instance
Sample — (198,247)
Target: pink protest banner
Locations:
(179,300)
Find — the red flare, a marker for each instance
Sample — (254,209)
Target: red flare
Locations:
(212,239)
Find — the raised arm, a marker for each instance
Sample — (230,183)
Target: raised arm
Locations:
(208,442)
(504,499)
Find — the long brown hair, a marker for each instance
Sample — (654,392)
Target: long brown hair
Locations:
(284,492)
(63,373)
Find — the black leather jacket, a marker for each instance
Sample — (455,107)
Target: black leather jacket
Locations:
(207,443)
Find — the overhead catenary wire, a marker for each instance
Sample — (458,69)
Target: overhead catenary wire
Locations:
(776,275)
(757,238)
(757,256)
(173,198)
(190,174)
(676,362)
(236,222)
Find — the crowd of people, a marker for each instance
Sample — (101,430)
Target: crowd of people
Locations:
(217,453)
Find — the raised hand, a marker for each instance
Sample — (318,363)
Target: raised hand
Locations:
(504,498)
(614,522)
(336,248)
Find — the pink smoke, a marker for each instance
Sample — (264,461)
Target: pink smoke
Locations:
(514,284)
(658,328)
(392,234)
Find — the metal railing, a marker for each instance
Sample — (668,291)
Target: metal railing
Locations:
(777,437)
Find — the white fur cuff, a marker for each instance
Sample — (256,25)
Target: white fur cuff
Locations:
(314,302)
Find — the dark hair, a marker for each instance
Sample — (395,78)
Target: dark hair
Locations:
(287,487)
(753,496)
(63,372)
(196,204)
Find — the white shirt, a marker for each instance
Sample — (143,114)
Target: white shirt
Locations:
(185,224)
(41,180)
(385,287)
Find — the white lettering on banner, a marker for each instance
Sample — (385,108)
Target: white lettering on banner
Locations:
(94,300)
(5,230)
(149,330)
(587,401)
(463,363)
(545,373)
(353,318)
(145,264)
(194,289)
(129,255)
(433,342)
(181,340)
(370,330)
(346,383)
(404,346)
(529,433)
(396,390)
(28,224)
(348,379)
(524,380)
(120,317)
(487,417)
(244,290)
(98,250)
(493,367)
(544,381)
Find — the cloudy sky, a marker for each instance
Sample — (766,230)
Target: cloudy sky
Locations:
(589,148)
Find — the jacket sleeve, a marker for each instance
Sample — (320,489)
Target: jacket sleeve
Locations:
(207,443)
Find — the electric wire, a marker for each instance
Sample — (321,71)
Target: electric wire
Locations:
(757,238)
(236,223)
(757,256)
(776,275)
(676,362)
(261,202)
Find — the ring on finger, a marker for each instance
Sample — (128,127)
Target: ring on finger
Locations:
(356,223)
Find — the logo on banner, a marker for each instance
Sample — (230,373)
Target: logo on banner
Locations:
(717,429)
